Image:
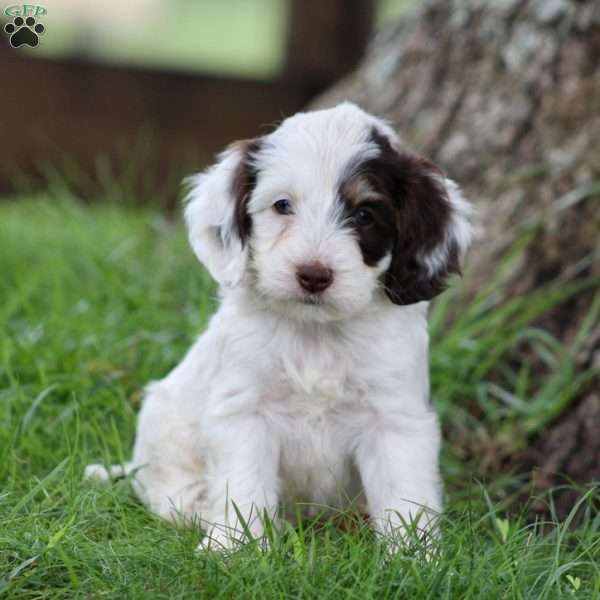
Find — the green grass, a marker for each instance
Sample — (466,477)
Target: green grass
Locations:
(94,302)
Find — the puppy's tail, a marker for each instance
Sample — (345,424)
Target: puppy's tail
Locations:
(101,473)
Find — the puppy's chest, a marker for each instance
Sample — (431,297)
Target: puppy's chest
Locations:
(314,386)
(316,410)
(316,406)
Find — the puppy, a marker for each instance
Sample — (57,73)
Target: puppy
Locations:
(310,384)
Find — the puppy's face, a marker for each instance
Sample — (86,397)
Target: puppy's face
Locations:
(326,216)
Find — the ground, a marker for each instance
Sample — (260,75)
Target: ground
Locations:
(98,301)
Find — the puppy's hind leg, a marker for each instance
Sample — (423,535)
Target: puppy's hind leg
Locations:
(167,472)
(175,496)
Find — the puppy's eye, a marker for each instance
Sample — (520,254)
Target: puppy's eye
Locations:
(283,207)
(362,218)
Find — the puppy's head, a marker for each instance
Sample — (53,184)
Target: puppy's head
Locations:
(327,215)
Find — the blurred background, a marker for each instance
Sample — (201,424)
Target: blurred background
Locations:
(165,84)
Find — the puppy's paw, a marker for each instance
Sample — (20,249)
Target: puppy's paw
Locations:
(218,541)
(418,537)
(96,472)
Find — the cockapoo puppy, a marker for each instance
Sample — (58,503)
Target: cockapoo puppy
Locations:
(310,384)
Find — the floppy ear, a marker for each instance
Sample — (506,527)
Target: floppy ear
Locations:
(432,230)
(216,212)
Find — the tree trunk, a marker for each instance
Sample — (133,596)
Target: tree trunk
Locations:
(505,96)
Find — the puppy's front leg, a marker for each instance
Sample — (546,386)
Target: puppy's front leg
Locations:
(242,481)
(398,464)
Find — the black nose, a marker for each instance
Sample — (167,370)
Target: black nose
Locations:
(314,278)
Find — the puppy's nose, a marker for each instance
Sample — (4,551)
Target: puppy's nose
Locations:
(314,278)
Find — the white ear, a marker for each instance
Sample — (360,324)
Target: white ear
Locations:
(458,234)
(216,216)
(460,229)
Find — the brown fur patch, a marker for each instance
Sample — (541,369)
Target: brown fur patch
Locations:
(243,184)
(414,221)
(376,239)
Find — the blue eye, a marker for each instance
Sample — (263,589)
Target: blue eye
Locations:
(283,207)
(362,218)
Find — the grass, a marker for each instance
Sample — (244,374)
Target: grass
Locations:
(97,301)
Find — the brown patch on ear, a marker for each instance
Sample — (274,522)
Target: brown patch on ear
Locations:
(422,214)
(243,183)
(375,239)
(358,189)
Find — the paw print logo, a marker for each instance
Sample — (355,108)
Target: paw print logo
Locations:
(24,32)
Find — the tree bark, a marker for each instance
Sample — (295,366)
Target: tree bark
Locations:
(505,96)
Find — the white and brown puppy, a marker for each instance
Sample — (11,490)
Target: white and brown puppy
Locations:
(310,383)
